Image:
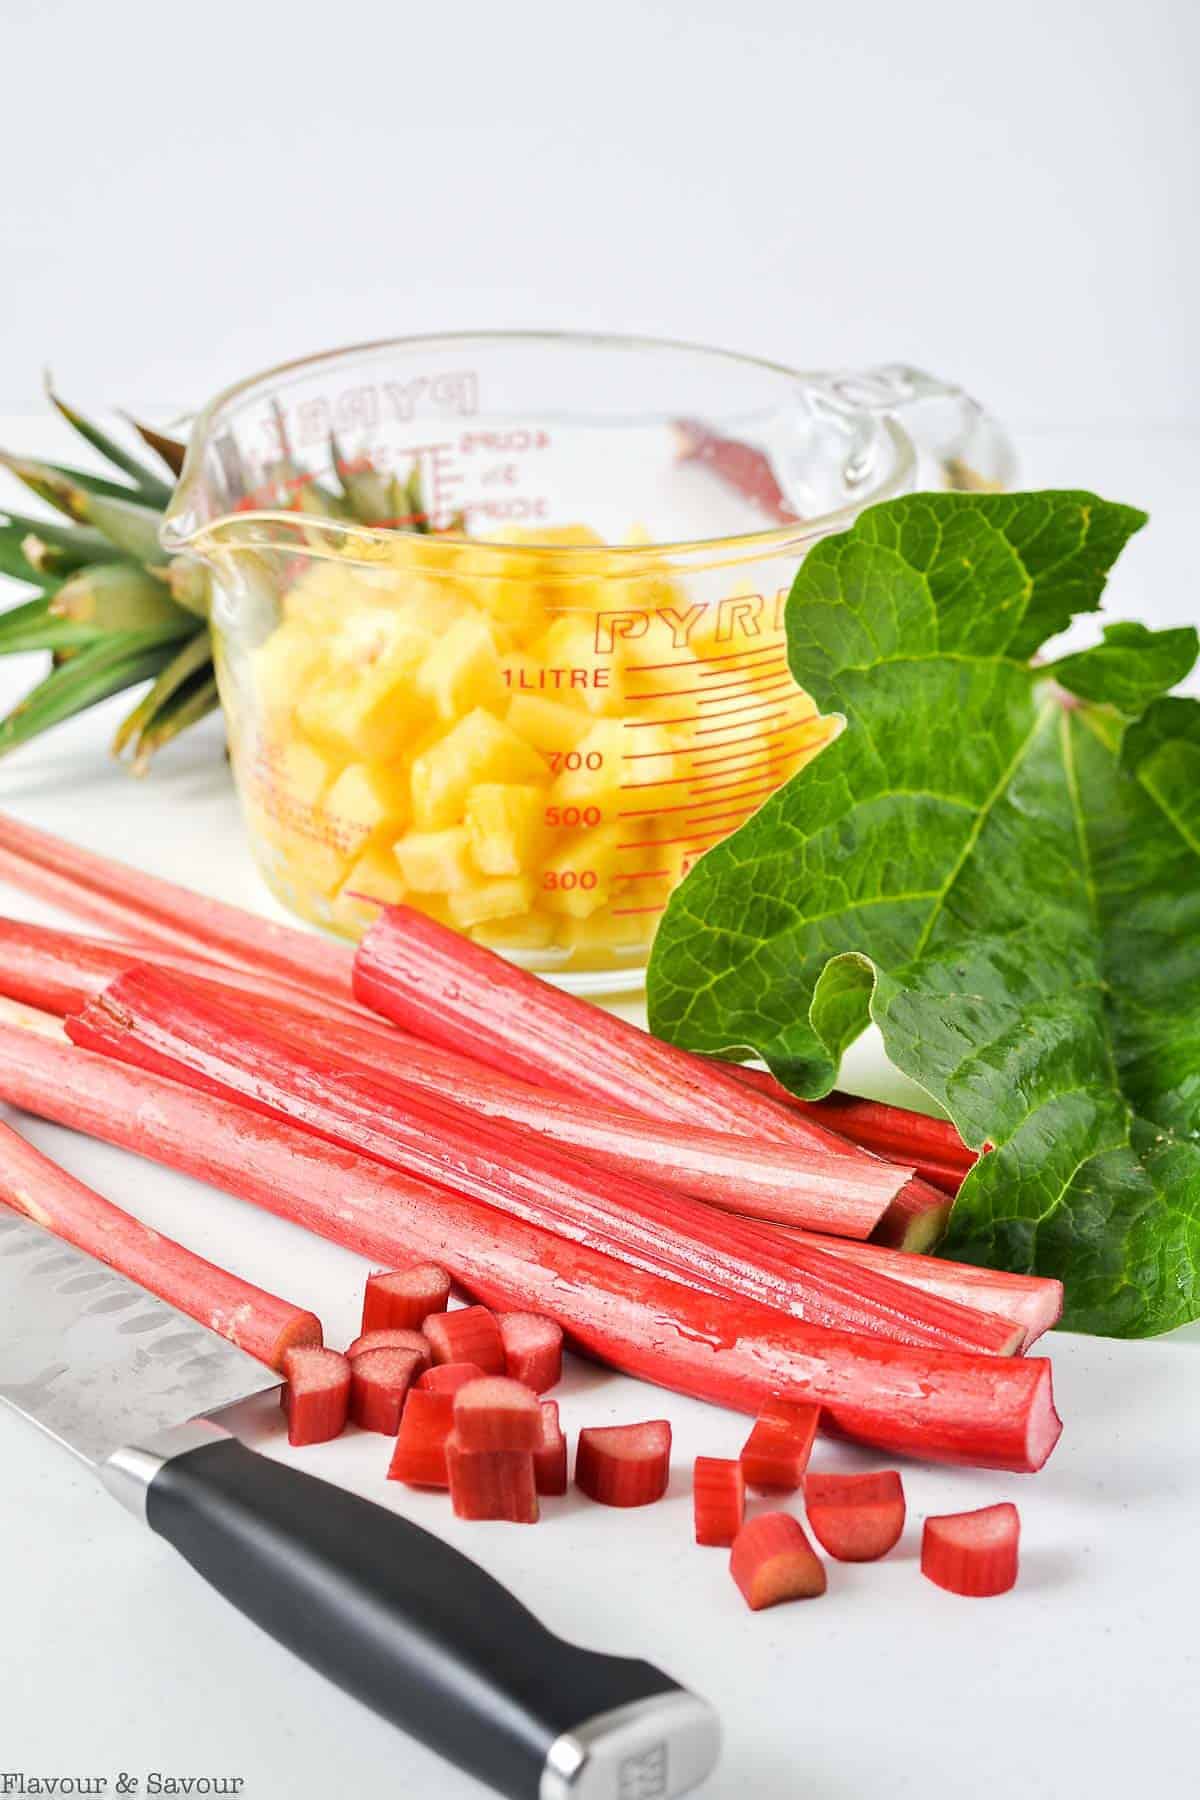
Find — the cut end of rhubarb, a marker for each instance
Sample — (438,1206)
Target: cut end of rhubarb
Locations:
(402,1299)
(447,1378)
(316,1395)
(624,1465)
(416,1341)
(469,1335)
(856,1518)
(776,1453)
(973,1553)
(772,1561)
(1043,1427)
(719,1500)
(426,1423)
(492,1484)
(495,1413)
(379,1383)
(916,1219)
(533,1347)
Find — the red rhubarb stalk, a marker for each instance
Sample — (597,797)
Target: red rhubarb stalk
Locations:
(492,1484)
(973,1553)
(402,1299)
(932,1146)
(857,1518)
(740,466)
(316,1395)
(624,1465)
(718,1499)
(458,994)
(468,1335)
(772,1561)
(821,1189)
(425,1427)
(152,910)
(447,1378)
(532,1349)
(168,1026)
(945,1406)
(495,1413)
(58,971)
(260,1323)
(1033,1303)
(775,1455)
(550,1457)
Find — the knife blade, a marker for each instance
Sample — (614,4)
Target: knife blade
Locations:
(392,1614)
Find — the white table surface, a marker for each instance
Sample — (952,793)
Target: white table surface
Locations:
(115,1658)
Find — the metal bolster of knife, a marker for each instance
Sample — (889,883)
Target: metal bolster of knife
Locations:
(662,1745)
(128,1472)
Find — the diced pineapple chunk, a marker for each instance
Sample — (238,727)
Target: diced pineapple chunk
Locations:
(366,797)
(479,748)
(436,862)
(373,881)
(577,878)
(284,663)
(300,772)
(366,716)
(608,928)
(547,724)
(524,931)
(504,897)
(463,671)
(506,821)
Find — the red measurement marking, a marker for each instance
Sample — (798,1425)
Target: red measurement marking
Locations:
(663,843)
(755,657)
(743,812)
(679,693)
(741,794)
(665,781)
(725,711)
(753,678)
(688,662)
(683,719)
(652,812)
(712,789)
(643,875)
(641,755)
(741,726)
(711,762)
(627,912)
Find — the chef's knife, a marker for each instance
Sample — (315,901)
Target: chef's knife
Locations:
(392,1614)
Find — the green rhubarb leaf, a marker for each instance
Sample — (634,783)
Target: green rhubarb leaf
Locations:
(1005,880)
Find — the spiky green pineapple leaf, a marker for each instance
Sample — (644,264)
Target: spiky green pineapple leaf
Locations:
(172,450)
(153,490)
(192,661)
(93,674)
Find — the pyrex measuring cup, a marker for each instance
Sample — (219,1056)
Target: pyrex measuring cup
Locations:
(499,618)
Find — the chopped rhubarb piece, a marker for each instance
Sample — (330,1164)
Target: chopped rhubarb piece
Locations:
(772,1560)
(624,1465)
(857,1518)
(776,1453)
(495,1413)
(532,1349)
(315,1395)
(550,1457)
(973,1553)
(379,1382)
(719,1499)
(260,1323)
(393,1340)
(447,1378)
(425,1426)
(945,1406)
(403,1299)
(492,1484)
(469,1335)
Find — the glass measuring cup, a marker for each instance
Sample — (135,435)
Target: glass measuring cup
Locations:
(498,618)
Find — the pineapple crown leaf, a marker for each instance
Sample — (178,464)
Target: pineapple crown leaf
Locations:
(150,487)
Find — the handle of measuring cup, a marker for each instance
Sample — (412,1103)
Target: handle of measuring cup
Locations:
(959,445)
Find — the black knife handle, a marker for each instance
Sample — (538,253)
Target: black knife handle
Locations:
(421,1634)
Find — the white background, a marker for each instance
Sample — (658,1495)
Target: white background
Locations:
(1007,195)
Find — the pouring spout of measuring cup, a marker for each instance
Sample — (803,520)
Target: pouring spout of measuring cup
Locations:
(959,445)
